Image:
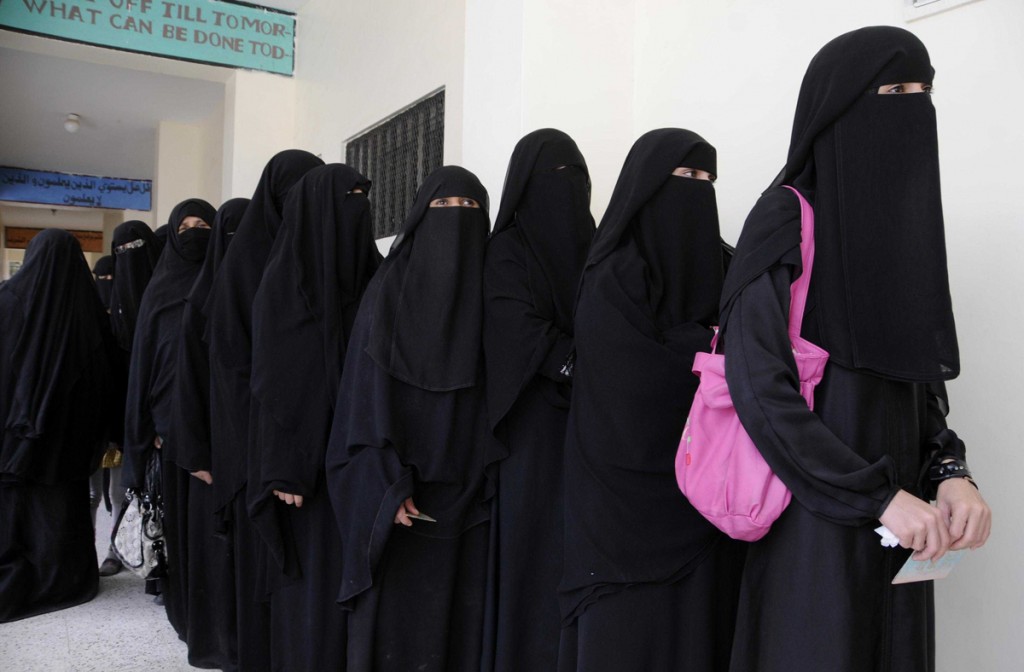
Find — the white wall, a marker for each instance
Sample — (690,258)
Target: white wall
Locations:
(731,71)
(548,63)
(259,121)
(357,64)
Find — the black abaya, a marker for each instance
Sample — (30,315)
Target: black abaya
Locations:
(55,391)
(149,411)
(816,590)
(228,314)
(321,262)
(531,272)
(647,301)
(212,617)
(407,427)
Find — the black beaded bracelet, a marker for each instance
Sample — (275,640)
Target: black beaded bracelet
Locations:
(950,469)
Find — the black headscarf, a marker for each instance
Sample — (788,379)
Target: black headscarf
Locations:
(546,205)
(403,427)
(136,251)
(55,373)
(149,410)
(228,312)
(162,232)
(868,163)
(647,300)
(427,316)
(192,371)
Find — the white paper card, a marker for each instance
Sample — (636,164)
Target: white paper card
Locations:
(928,570)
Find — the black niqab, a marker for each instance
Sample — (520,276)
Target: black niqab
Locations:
(104,266)
(869,165)
(136,251)
(55,374)
(546,200)
(647,300)
(428,311)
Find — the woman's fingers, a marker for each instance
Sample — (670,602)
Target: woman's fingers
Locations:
(411,507)
(978,524)
(402,517)
(288,498)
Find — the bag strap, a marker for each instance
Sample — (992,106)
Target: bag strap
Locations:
(798,291)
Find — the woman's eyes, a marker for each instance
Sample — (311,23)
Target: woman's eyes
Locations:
(453,202)
(900,88)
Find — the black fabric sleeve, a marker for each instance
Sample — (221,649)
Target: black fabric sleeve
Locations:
(191,396)
(823,473)
(366,490)
(139,425)
(512,313)
(942,442)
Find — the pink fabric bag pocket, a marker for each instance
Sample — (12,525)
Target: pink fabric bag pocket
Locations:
(718,467)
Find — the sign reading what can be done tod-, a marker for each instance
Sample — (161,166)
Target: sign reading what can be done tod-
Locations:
(205,31)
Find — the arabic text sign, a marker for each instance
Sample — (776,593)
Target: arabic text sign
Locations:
(207,31)
(87,191)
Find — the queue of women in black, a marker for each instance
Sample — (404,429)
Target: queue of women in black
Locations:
(460,457)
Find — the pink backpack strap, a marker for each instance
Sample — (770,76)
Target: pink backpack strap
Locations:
(798,291)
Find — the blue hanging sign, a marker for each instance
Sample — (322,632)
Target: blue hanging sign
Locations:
(86,191)
(204,31)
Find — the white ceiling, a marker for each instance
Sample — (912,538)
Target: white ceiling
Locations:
(120,109)
(292,6)
(120,96)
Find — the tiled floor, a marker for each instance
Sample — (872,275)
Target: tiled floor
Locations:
(120,630)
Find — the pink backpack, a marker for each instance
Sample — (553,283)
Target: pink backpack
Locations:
(718,467)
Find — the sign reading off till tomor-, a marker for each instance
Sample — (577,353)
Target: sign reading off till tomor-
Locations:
(206,31)
(85,191)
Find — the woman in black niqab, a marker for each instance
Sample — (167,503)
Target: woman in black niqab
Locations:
(411,425)
(149,411)
(136,252)
(303,312)
(531,273)
(817,590)
(103,272)
(648,583)
(55,410)
(212,613)
(228,314)
(228,311)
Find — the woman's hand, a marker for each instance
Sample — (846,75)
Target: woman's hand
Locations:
(966,513)
(404,509)
(158,443)
(204,476)
(919,526)
(294,500)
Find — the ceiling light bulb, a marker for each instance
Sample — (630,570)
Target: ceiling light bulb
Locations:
(72,123)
